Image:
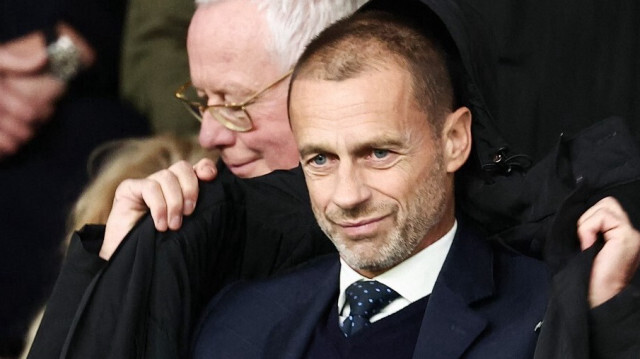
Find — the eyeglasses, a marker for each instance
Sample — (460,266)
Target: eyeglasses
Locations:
(233,116)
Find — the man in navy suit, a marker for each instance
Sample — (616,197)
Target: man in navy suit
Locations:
(381,129)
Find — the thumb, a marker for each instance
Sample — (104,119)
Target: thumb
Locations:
(206,169)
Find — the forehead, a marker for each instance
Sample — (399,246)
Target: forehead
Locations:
(228,40)
(377,103)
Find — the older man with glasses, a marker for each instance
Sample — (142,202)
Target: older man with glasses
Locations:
(240,56)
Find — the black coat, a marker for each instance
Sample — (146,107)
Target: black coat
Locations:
(146,299)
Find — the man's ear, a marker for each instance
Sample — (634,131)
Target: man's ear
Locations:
(456,136)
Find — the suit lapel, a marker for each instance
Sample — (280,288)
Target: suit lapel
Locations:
(449,325)
(290,337)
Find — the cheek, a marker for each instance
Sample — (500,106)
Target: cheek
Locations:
(392,184)
(267,130)
(272,137)
(319,193)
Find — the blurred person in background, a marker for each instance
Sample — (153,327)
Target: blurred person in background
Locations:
(58,80)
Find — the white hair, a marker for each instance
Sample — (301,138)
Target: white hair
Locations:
(293,23)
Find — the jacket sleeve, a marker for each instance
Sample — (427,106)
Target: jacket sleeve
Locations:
(615,325)
(145,302)
(80,268)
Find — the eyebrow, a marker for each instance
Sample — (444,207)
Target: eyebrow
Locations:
(310,149)
(231,88)
(384,142)
(363,147)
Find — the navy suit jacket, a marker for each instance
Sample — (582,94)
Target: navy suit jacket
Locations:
(486,303)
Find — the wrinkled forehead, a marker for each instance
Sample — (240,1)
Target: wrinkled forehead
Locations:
(366,73)
(373,96)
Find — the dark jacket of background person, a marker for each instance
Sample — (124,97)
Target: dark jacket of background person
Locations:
(562,66)
(39,183)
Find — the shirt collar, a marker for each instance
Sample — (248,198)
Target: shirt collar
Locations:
(413,278)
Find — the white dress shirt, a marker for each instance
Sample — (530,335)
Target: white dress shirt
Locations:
(413,278)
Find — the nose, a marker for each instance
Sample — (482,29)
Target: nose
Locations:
(350,189)
(213,134)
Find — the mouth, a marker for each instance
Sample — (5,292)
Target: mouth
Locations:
(239,165)
(362,227)
(241,168)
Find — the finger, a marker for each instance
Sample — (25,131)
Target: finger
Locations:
(19,131)
(588,230)
(32,97)
(134,197)
(8,146)
(593,217)
(128,206)
(45,113)
(188,181)
(206,169)
(26,54)
(42,89)
(619,258)
(604,219)
(172,193)
(608,202)
(14,104)
(616,263)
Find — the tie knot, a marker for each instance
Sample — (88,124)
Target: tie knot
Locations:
(367,298)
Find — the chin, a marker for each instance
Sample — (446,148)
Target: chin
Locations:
(366,256)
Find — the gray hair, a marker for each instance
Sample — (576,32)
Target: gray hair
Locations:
(293,23)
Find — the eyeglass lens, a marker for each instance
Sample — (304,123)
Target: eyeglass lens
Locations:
(234,118)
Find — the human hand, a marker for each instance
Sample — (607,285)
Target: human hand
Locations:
(24,55)
(27,55)
(168,194)
(29,92)
(26,102)
(619,258)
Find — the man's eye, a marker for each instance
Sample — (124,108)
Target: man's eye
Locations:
(203,100)
(319,160)
(377,153)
